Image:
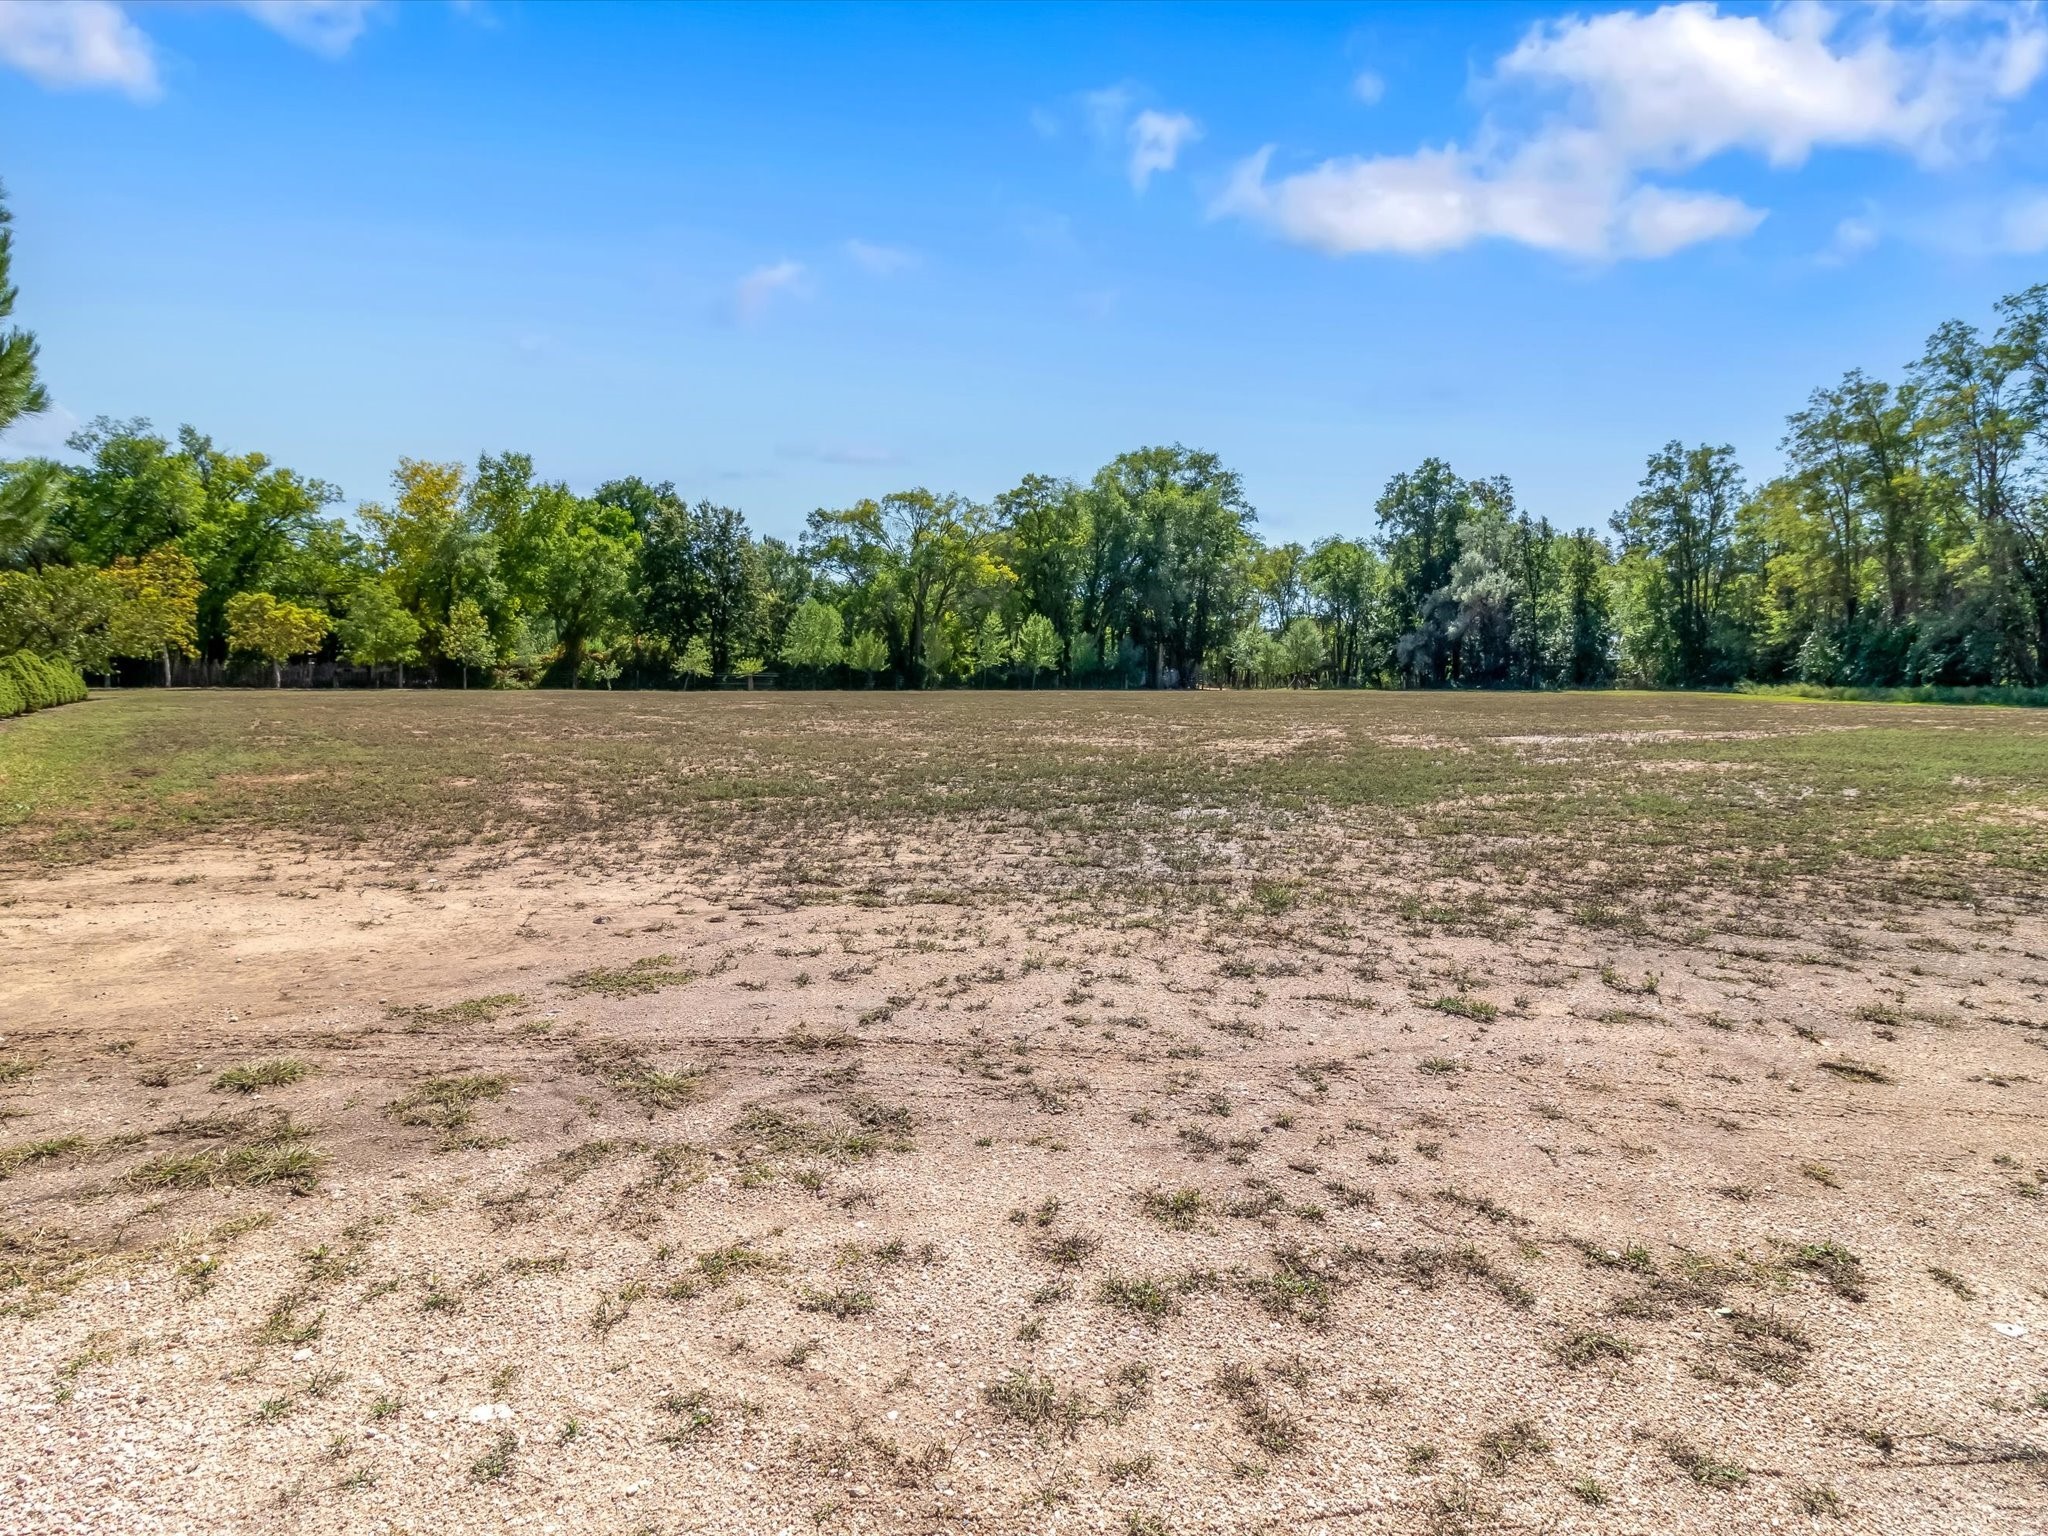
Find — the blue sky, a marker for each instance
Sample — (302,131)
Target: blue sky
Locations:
(789,257)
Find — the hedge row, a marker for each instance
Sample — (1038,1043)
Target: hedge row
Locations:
(28,682)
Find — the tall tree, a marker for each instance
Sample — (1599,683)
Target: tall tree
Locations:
(1185,522)
(1683,522)
(1046,524)
(701,575)
(1422,515)
(1347,584)
(916,554)
(1589,612)
(21,392)
(134,493)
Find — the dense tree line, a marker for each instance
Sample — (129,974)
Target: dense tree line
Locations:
(1905,543)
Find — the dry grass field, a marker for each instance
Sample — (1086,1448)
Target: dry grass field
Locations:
(1326,1113)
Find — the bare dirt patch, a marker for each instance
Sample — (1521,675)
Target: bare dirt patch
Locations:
(1257,1169)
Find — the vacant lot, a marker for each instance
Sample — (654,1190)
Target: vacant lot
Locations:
(998,1112)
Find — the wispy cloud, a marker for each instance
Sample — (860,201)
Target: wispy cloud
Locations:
(42,435)
(753,293)
(1852,237)
(328,27)
(880,260)
(1625,99)
(81,45)
(1368,87)
(1147,140)
(1156,140)
(96,44)
(1106,111)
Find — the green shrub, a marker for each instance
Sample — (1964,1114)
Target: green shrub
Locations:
(29,682)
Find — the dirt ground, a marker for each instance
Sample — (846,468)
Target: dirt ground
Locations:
(344,1193)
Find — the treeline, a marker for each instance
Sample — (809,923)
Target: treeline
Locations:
(1906,544)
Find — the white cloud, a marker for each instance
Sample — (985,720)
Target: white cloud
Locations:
(1106,111)
(880,260)
(1657,92)
(328,27)
(95,43)
(754,292)
(1655,221)
(78,43)
(1852,237)
(1368,87)
(1156,140)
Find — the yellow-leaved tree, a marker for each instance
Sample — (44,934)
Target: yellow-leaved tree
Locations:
(260,624)
(156,611)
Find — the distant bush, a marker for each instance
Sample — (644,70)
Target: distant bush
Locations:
(29,682)
(2023,698)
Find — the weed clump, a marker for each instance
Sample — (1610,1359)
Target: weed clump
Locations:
(278,1073)
(447,1106)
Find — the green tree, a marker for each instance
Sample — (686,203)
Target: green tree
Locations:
(695,660)
(466,637)
(813,640)
(748,668)
(1038,646)
(1985,404)
(21,392)
(31,501)
(1174,547)
(253,517)
(1422,517)
(1280,576)
(1590,627)
(1046,525)
(435,546)
(867,653)
(376,630)
(134,493)
(61,613)
(912,556)
(991,644)
(564,557)
(1683,523)
(1302,650)
(701,572)
(156,609)
(260,624)
(1347,584)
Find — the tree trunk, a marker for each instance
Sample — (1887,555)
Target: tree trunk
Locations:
(167,666)
(401,673)
(276,673)
(465,677)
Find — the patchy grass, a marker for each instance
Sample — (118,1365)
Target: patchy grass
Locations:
(447,1105)
(14,1159)
(280,1072)
(651,973)
(632,1076)
(247,1157)
(473,1010)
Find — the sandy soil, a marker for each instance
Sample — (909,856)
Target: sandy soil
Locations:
(836,1217)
